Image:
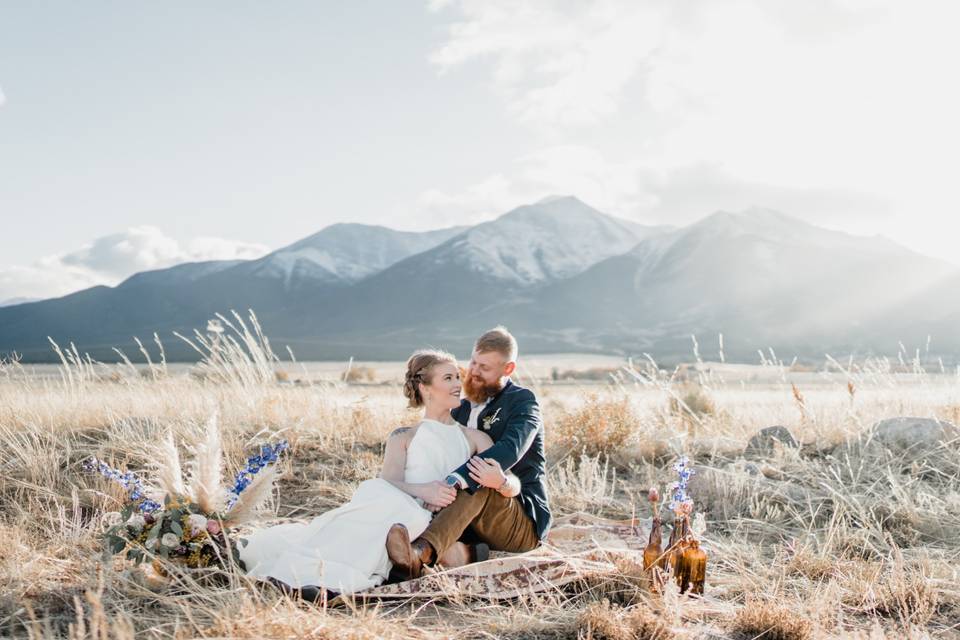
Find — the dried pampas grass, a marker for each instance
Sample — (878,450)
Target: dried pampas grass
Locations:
(167,467)
(207,469)
(252,498)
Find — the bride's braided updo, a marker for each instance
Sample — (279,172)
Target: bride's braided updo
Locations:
(420,369)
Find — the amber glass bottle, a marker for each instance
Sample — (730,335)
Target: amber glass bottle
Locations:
(695,563)
(674,555)
(678,544)
(672,542)
(653,556)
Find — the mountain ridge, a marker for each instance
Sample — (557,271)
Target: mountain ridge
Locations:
(563,275)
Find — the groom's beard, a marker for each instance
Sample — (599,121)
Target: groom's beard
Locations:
(477,391)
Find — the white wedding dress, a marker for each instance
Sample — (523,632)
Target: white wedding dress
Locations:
(344,549)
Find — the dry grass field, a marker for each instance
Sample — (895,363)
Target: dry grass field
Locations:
(841,537)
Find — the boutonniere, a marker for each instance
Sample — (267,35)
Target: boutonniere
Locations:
(489,420)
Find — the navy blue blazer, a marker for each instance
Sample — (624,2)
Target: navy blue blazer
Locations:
(512,420)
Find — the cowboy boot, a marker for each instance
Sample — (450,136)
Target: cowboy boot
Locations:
(407,558)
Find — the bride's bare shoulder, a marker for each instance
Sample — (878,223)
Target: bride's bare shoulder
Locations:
(479,439)
(403,434)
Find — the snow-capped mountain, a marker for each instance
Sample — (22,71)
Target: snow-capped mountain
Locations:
(180,274)
(555,238)
(758,276)
(562,275)
(343,253)
(183,297)
(524,248)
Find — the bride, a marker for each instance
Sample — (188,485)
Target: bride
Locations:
(343,550)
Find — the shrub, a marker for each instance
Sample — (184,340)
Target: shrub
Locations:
(360,374)
(771,621)
(600,426)
(601,621)
(692,399)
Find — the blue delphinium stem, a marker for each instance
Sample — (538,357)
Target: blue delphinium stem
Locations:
(268,454)
(680,487)
(128,480)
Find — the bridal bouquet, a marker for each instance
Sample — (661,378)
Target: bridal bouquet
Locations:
(192,525)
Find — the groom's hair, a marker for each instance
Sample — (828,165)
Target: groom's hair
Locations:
(500,340)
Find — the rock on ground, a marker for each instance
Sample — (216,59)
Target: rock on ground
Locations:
(763,444)
(913,434)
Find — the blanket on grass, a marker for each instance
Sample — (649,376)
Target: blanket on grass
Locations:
(579,547)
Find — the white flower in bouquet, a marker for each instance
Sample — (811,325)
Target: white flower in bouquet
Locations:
(136,522)
(699,525)
(197,522)
(170,540)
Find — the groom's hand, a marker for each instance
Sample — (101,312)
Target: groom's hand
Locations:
(438,494)
(486,472)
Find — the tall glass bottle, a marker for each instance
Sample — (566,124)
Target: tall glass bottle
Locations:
(695,563)
(653,556)
(678,544)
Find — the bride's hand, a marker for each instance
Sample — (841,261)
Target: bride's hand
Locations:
(437,493)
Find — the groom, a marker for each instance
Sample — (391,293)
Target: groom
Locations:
(510,415)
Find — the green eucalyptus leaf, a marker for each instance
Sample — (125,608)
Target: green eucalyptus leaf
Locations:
(117,544)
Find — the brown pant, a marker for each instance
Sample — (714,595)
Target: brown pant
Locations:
(498,521)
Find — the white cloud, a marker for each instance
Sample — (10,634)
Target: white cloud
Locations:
(563,63)
(634,190)
(120,254)
(840,111)
(210,248)
(566,169)
(110,259)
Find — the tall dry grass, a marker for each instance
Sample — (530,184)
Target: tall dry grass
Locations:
(836,538)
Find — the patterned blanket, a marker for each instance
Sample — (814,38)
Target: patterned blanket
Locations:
(578,547)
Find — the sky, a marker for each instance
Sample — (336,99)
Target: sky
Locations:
(135,136)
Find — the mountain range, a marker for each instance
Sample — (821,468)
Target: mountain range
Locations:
(560,274)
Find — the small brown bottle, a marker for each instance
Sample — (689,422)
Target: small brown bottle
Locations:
(653,557)
(676,547)
(695,564)
(678,544)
